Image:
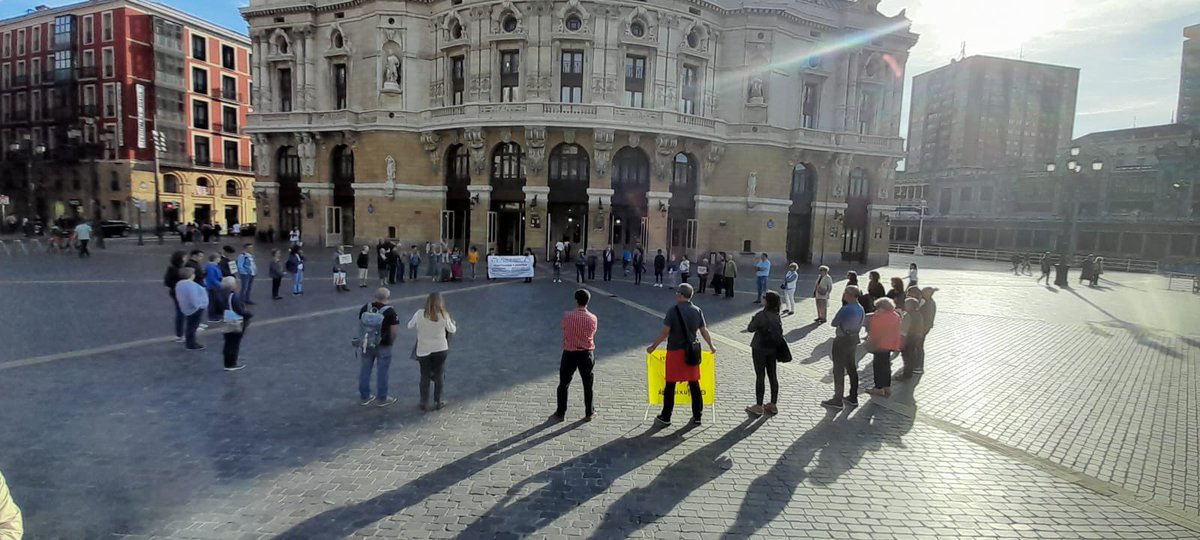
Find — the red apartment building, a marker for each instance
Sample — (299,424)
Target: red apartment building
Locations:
(84,86)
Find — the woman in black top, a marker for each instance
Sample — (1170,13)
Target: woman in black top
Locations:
(896,293)
(768,334)
(381,261)
(364,265)
(170,278)
(874,292)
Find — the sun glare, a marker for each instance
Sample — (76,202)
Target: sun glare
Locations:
(987,26)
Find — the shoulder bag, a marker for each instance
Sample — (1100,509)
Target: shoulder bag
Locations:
(691,345)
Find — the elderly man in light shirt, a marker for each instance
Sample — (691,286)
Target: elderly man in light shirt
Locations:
(193,301)
(11,527)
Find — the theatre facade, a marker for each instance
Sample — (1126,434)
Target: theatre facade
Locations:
(686,126)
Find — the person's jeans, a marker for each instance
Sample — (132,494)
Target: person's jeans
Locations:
(83,249)
(363,273)
(247,285)
(608,271)
(583,361)
(298,282)
(762,286)
(412,271)
(728,286)
(432,367)
(881,364)
(844,366)
(579,274)
(192,325)
(557,273)
(591,272)
(703,282)
(215,313)
(391,273)
(383,357)
(473,271)
(233,343)
(669,400)
(275,283)
(764,365)
(180,318)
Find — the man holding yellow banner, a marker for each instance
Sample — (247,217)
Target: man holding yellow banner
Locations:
(683,357)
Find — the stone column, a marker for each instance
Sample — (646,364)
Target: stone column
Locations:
(599,214)
(657,207)
(535,219)
(478,235)
(852,70)
(310,53)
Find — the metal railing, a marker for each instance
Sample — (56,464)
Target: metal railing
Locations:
(1116,265)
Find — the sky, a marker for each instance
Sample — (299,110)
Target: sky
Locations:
(1128,50)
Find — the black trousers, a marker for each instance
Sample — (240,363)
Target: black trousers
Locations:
(572,361)
(83,249)
(728,286)
(608,271)
(392,269)
(881,365)
(637,276)
(432,368)
(764,367)
(579,273)
(703,279)
(683,277)
(658,275)
(412,271)
(383,274)
(844,365)
(592,272)
(233,344)
(718,284)
(275,282)
(669,400)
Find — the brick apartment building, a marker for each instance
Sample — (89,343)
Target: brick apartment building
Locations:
(83,87)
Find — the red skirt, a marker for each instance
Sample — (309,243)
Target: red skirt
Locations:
(678,370)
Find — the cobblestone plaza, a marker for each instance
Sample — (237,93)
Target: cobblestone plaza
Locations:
(1043,413)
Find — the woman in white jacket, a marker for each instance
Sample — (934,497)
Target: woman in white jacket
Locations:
(434,326)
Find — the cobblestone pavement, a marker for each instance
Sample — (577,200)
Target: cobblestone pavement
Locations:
(111,430)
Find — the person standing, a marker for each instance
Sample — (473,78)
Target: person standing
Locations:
(276,271)
(579,333)
(532,263)
(702,273)
(434,326)
(395,266)
(685,270)
(718,280)
(580,267)
(883,339)
(237,317)
(364,266)
(660,264)
(11,524)
(383,263)
(767,328)
(821,291)
(591,265)
(1016,262)
(730,275)
(913,329)
(227,264)
(294,237)
(339,272)
(1097,269)
(680,327)
(212,283)
(246,269)
(626,260)
(83,233)
(847,323)
(378,325)
(762,271)
(608,262)
(896,293)
(875,289)
(1045,267)
(912,274)
(414,263)
(638,267)
(295,267)
(557,265)
(473,260)
(399,258)
(193,302)
(170,279)
(790,279)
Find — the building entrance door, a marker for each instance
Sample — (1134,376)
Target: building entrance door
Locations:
(333,226)
(508,228)
(568,224)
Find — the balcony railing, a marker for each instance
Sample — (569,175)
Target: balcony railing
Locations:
(87,72)
(20,80)
(226,128)
(88,110)
(48,76)
(204,191)
(227,95)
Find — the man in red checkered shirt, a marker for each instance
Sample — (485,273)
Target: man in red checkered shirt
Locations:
(579,333)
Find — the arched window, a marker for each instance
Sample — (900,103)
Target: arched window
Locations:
(231,188)
(569,163)
(170,184)
(288,164)
(631,166)
(860,185)
(684,171)
(459,161)
(202,182)
(338,41)
(801,182)
(343,164)
(506,162)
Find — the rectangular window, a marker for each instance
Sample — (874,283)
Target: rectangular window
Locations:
(110,100)
(106,26)
(285,90)
(35,70)
(64,32)
(985,193)
(571,75)
(5,77)
(458,65)
(89,101)
(35,105)
(37,38)
(199,48)
(635,81)
(89,35)
(21,42)
(200,114)
(808,105)
(229,119)
(687,90)
(510,75)
(231,154)
(339,86)
(229,88)
(966,194)
(7,44)
(21,78)
(228,57)
(109,61)
(200,151)
(200,80)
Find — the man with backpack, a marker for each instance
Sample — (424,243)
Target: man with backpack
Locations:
(378,325)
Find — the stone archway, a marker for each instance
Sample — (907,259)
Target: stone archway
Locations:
(631,183)
(569,169)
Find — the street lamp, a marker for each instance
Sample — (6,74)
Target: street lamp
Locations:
(1070,178)
(920,230)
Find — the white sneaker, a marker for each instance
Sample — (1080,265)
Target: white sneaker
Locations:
(202,327)
(180,340)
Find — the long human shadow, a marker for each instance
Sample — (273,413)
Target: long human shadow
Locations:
(1139,334)
(570,484)
(840,445)
(345,520)
(642,506)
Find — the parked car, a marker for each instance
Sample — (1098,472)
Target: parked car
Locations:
(113,228)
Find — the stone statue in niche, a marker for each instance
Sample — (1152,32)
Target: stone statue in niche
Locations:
(391,169)
(752,185)
(307,151)
(391,73)
(756,91)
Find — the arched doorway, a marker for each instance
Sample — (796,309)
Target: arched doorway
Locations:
(800,214)
(631,182)
(456,219)
(567,216)
(232,212)
(506,222)
(681,217)
(858,197)
(290,199)
(202,211)
(170,210)
(339,217)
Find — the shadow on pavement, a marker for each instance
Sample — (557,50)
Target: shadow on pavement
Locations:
(1137,332)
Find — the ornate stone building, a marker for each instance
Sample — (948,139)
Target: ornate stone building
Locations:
(685,125)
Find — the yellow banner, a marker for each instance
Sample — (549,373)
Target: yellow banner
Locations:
(656,379)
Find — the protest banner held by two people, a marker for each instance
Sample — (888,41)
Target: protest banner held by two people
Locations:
(509,266)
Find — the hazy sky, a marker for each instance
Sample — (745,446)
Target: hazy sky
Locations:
(1128,50)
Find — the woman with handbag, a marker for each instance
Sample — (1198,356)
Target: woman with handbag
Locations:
(766,348)
(236,319)
(434,326)
(789,288)
(821,293)
(883,339)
